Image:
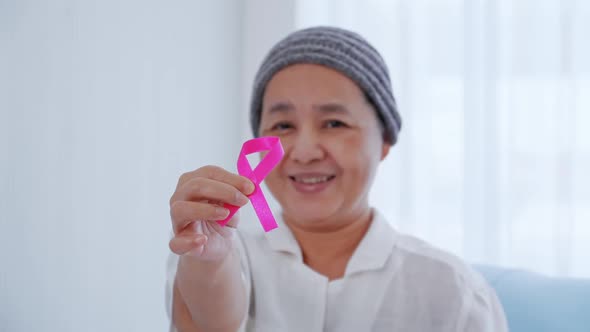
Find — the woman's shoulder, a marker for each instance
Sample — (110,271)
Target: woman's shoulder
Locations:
(418,257)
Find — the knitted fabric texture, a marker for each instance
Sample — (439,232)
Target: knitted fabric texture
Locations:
(343,51)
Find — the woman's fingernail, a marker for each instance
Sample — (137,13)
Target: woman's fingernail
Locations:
(248,187)
(221,212)
(240,199)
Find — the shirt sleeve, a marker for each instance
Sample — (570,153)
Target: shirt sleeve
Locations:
(172,264)
(483,312)
(246,278)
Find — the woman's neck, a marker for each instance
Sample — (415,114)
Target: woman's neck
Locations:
(329,250)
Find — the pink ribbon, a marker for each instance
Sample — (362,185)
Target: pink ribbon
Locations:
(269,161)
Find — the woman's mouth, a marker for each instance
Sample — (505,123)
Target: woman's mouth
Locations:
(311,183)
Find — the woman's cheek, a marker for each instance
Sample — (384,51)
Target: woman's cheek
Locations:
(347,143)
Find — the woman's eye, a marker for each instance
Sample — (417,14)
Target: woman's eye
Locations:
(335,124)
(282,126)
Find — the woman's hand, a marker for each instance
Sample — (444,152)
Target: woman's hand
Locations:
(197,205)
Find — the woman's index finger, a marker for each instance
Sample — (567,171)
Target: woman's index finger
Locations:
(240,182)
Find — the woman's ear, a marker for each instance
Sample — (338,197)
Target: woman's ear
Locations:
(385,150)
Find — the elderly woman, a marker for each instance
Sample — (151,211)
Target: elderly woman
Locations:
(334,263)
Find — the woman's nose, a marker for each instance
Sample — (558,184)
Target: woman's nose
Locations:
(306,148)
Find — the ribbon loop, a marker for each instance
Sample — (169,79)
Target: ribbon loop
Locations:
(267,164)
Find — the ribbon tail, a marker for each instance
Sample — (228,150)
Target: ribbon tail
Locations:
(263,210)
(232,210)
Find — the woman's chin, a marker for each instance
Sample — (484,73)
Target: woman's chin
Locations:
(308,214)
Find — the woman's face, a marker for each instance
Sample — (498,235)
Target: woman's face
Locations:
(332,141)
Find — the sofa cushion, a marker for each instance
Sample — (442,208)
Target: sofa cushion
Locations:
(537,303)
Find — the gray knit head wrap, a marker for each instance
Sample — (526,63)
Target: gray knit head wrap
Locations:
(341,50)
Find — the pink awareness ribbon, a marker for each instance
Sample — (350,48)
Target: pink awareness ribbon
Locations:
(269,161)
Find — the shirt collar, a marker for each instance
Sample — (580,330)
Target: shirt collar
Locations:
(372,252)
(281,239)
(375,248)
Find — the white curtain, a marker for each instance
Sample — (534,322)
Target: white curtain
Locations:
(494,156)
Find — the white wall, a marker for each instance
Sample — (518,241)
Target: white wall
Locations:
(103,104)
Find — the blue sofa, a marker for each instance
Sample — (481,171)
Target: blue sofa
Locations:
(537,303)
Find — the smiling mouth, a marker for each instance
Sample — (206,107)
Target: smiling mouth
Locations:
(312,179)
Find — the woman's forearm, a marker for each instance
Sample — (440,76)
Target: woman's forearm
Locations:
(213,293)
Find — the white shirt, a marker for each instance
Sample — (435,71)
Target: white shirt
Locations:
(393,282)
